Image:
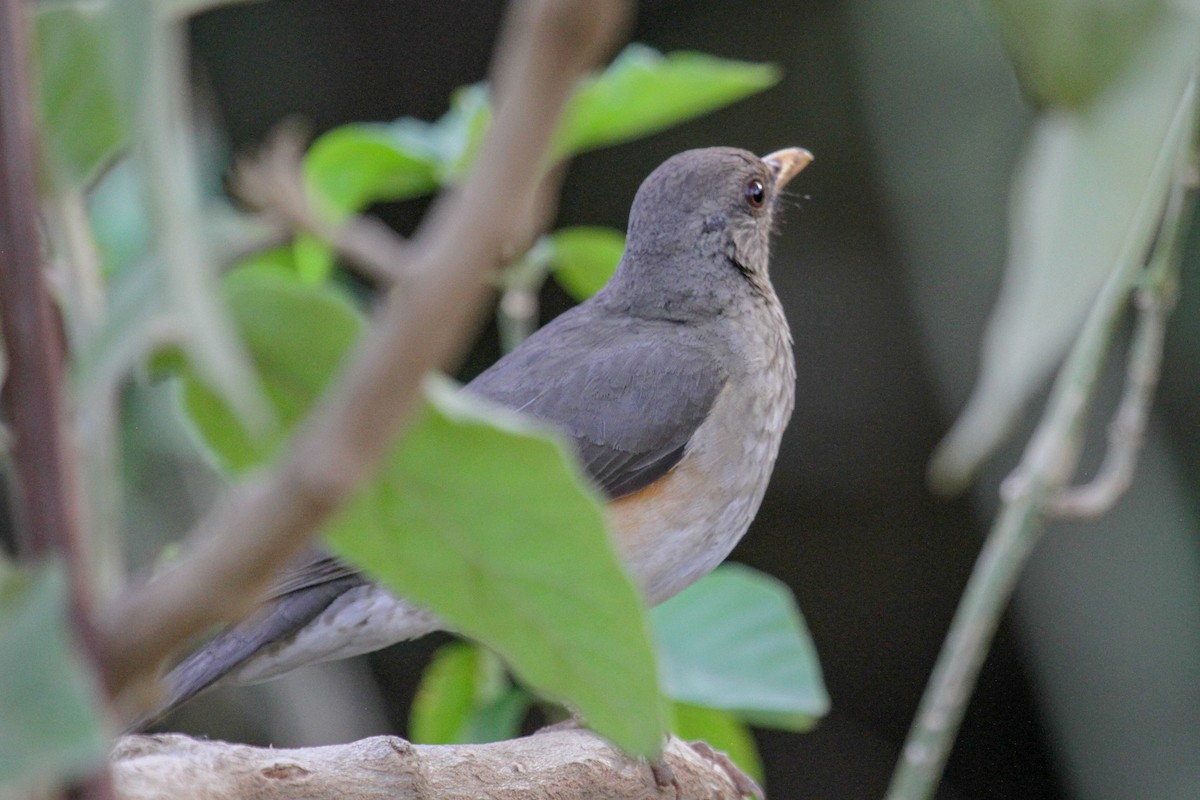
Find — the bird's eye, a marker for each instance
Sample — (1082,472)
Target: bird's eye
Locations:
(755,192)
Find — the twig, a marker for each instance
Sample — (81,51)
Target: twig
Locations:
(1127,431)
(262,523)
(568,764)
(1045,468)
(274,183)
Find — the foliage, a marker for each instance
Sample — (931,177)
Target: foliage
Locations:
(518,558)
(1088,193)
(733,650)
(50,706)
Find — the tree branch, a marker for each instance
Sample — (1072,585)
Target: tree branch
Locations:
(546,46)
(566,764)
(46,509)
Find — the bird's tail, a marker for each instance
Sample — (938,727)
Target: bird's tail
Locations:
(271,629)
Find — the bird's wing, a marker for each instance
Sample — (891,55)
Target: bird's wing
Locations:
(630,398)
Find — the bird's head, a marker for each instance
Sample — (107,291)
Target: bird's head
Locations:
(703,220)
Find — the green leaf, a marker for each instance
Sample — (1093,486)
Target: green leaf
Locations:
(455,138)
(643,92)
(584,258)
(1086,198)
(51,719)
(296,336)
(355,165)
(484,518)
(498,720)
(1067,51)
(722,731)
(465,697)
(80,109)
(735,640)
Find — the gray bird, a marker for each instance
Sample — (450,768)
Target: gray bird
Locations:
(675,383)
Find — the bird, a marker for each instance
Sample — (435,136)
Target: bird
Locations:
(674,383)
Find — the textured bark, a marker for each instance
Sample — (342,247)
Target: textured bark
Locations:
(564,764)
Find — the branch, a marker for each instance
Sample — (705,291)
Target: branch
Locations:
(546,45)
(1127,431)
(46,506)
(566,764)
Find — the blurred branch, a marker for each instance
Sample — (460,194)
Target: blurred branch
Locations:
(545,47)
(273,182)
(1030,493)
(560,763)
(32,339)
(1127,431)
(46,503)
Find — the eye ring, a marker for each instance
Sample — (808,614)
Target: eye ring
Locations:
(755,192)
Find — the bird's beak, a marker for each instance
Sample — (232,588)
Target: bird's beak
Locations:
(787,163)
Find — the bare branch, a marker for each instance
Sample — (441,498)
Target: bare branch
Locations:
(566,764)
(545,47)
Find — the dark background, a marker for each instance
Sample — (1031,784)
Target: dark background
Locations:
(887,267)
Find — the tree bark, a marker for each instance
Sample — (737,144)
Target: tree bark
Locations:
(559,763)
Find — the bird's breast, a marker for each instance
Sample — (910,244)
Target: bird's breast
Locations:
(676,530)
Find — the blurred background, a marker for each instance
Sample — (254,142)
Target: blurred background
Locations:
(887,265)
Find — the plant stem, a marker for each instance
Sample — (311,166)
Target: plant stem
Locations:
(1046,466)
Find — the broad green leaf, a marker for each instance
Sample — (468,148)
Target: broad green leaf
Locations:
(1086,199)
(460,678)
(51,719)
(498,720)
(80,110)
(484,518)
(720,729)
(296,336)
(1068,51)
(735,640)
(643,92)
(355,165)
(584,258)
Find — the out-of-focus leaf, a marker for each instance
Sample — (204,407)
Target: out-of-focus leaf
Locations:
(81,114)
(584,258)
(1085,200)
(51,723)
(296,336)
(643,92)
(735,640)
(722,730)
(1067,51)
(465,697)
(353,166)
(358,164)
(459,679)
(455,138)
(503,539)
(498,720)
